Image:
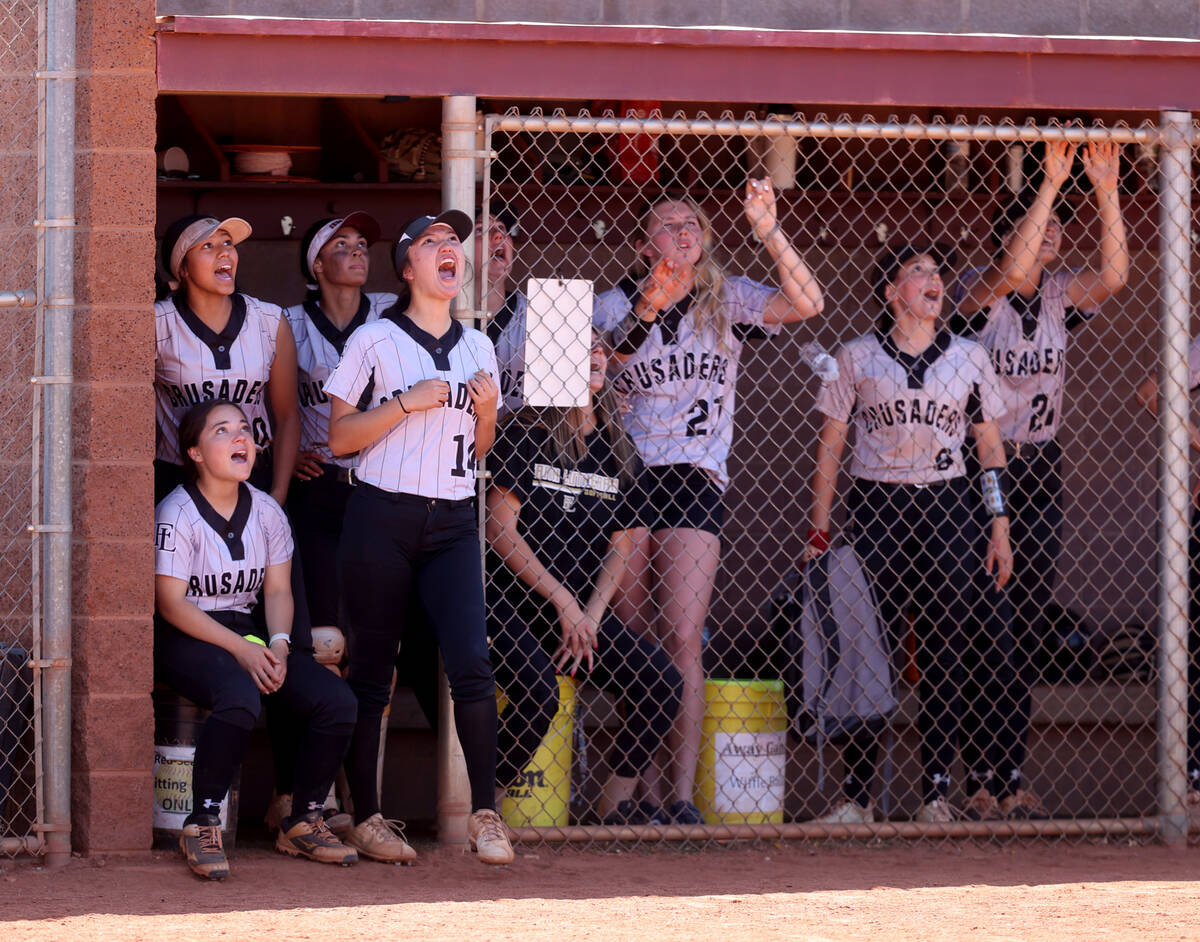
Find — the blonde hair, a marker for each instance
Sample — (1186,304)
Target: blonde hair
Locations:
(709,280)
(565,430)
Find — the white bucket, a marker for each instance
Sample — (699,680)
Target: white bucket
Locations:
(173,788)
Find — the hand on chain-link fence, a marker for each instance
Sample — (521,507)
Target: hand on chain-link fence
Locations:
(966,637)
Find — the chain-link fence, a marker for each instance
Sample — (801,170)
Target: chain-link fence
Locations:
(848,351)
(20,133)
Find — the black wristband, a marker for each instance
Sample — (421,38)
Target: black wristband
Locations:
(630,334)
(992,487)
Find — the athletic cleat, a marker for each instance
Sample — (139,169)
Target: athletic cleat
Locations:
(654,814)
(339,822)
(848,812)
(279,808)
(1023,805)
(381,839)
(488,837)
(627,814)
(310,837)
(630,813)
(982,806)
(938,811)
(684,812)
(201,846)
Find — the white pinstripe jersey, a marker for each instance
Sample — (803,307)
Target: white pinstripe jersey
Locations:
(222,561)
(682,382)
(1029,353)
(429,453)
(507,331)
(911,414)
(192,364)
(319,346)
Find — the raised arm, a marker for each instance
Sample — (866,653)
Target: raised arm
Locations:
(1018,259)
(1092,286)
(799,296)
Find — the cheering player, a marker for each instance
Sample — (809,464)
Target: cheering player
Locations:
(219,543)
(506,306)
(1023,311)
(912,390)
(214,342)
(564,510)
(679,324)
(415,396)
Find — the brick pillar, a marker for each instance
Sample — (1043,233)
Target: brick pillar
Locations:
(113,729)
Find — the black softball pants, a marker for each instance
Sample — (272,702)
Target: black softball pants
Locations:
(635,672)
(320,704)
(921,548)
(395,547)
(997,741)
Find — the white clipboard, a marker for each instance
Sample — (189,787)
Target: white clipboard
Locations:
(558,341)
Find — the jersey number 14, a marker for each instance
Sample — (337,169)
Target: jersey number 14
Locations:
(464,461)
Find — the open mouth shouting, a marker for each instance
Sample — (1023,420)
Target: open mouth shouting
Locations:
(447,268)
(932,298)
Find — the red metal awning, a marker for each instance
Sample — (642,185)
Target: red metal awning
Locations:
(511,60)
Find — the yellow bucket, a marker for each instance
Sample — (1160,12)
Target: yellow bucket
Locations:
(541,795)
(741,776)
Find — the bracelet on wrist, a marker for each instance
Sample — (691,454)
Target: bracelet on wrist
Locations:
(818,539)
(764,238)
(400,401)
(281,636)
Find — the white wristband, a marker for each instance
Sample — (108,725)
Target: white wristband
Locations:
(281,636)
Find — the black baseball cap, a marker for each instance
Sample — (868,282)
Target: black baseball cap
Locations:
(456,219)
(888,264)
(1009,214)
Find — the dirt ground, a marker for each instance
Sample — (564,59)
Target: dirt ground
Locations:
(1015,891)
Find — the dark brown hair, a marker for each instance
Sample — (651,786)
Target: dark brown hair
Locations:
(191,426)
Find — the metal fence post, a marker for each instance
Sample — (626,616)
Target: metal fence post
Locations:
(458,192)
(59,223)
(1175,221)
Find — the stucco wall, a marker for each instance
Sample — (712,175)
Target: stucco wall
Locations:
(1165,18)
(114,426)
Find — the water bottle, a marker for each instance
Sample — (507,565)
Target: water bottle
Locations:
(819,361)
